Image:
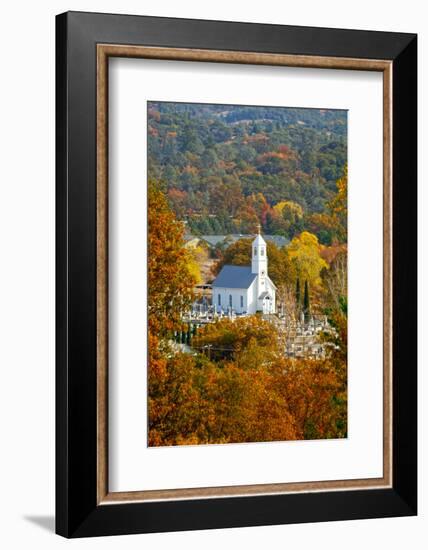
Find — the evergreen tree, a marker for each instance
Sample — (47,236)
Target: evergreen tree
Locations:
(298,295)
(306,304)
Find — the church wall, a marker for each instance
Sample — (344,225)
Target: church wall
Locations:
(236,294)
(252,298)
(273,294)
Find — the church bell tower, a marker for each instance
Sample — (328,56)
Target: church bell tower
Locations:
(259,261)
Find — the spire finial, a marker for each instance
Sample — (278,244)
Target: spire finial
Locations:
(258,228)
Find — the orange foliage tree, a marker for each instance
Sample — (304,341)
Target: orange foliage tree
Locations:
(244,390)
(170,283)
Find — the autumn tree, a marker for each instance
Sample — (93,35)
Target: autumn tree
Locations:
(331,226)
(261,206)
(281,268)
(170,283)
(176,407)
(336,283)
(291,215)
(237,253)
(225,197)
(316,397)
(179,201)
(304,251)
(251,341)
(338,208)
(197,257)
(246,217)
(322,225)
(286,301)
(336,303)
(204,401)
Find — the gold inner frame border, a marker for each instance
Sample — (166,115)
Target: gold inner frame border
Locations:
(104,52)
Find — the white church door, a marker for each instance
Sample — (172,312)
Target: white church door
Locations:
(267,305)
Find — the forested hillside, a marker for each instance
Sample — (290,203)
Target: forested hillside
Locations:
(225,169)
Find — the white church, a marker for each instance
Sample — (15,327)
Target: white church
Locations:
(246,289)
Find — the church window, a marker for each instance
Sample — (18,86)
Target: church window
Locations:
(255,251)
(230,300)
(242,301)
(219,299)
(262,251)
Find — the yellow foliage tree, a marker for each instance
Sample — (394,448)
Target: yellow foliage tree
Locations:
(304,251)
(289,210)
(198,256)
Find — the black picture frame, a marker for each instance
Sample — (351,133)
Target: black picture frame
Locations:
(77,511)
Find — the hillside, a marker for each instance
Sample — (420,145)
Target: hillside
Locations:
(225,169)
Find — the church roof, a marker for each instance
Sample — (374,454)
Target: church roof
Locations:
(213,240)
(234,276)
(279,240)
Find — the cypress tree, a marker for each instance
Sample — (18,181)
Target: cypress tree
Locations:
(306,304)
(298,294)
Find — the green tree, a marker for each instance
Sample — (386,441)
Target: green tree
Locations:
(298,293)
(306,306)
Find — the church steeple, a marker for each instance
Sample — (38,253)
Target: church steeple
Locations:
(259,255)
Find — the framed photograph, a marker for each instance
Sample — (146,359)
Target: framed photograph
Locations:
(236,274)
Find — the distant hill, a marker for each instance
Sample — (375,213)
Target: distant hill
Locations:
(224,168)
